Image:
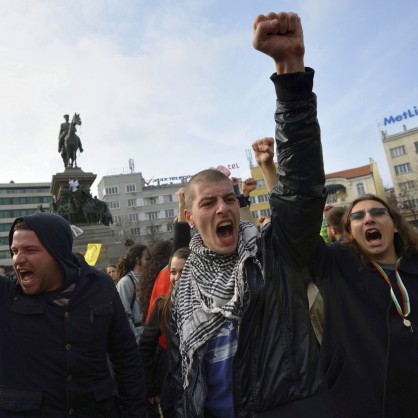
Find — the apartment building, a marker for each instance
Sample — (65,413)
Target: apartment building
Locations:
(401,151)
(19,199)
(143,212)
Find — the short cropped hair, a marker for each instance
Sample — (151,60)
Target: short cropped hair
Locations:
(210,175)
(334,217)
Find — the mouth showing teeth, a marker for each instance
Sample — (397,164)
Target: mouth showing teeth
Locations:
(373,234)
(24,273)
(225,230)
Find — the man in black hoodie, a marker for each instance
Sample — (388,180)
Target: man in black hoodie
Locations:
(60,321)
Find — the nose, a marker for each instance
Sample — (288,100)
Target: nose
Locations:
(18,258)
(221,207)
(368,218)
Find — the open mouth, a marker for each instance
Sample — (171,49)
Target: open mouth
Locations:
(373,235)
(25,275)
(225,231)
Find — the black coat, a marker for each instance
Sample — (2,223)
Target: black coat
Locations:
(370,357)
(276,372)
(53,359)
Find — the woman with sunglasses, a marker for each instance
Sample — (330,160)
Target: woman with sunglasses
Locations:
(370,288)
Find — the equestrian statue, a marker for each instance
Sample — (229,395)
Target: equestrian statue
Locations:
(69,142)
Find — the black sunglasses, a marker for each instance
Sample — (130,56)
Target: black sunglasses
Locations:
(375,212)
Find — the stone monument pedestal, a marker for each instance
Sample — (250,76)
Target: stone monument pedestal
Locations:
(93,232)
(111,250)
(60,180)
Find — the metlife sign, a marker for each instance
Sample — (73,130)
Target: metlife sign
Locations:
(407,114)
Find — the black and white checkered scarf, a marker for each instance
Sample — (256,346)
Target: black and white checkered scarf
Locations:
(210,291)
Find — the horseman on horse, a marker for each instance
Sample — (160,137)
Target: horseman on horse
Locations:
(69,142)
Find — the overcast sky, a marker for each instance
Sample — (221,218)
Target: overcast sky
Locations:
(177,86)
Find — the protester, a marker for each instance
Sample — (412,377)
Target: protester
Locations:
(159,385)
(241,344)
(333,223)
(112,271)
(130,269)
(158,255)
(59,322)
(370,291)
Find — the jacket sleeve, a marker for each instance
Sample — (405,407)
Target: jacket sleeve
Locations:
(126,290)
(126,361)
(175,361)
(298,199)
(148,347)
(182,235)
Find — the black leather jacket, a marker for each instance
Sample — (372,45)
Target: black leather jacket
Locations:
(276,370)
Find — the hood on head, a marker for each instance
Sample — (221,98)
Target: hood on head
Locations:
(54,233)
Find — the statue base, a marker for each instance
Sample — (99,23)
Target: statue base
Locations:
(110,252)
(60,180)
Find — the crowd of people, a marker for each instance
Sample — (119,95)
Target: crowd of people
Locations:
(309,313)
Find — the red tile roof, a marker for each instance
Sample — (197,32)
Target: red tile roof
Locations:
(351,173)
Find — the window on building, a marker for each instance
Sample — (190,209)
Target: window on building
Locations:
(153,229)
(169,213)
(332,197)
(406,186)
(136,232)
(131,203)
(114,204)
(112,190)
(397,151)
(263,198)
(117,219)
(133,217)
(261,183)
(253,200)
(131,188)
(167,198)
(151,200)
(361,191)
(265,212)
(152,215)
(254,214)
(25,200)
(402,168)
(119,233)
(5,254)
(4,241)
(170,226)
(416,147)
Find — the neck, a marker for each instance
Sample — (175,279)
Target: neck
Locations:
(386,259)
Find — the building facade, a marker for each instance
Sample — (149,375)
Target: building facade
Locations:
(343,187)
(401,151)
(19,199)
(141,212)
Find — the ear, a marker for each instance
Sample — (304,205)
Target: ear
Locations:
(189,218)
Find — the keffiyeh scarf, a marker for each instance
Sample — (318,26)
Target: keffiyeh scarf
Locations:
(210,291)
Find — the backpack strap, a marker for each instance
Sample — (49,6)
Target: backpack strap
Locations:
(131,305)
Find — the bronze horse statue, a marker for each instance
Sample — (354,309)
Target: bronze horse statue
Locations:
(72,143)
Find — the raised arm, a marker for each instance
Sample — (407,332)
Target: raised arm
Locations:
(297,199)
(264,154)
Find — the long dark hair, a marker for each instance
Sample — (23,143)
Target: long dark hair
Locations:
(128,261)
(163,305)
(405,240)
(158,255)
